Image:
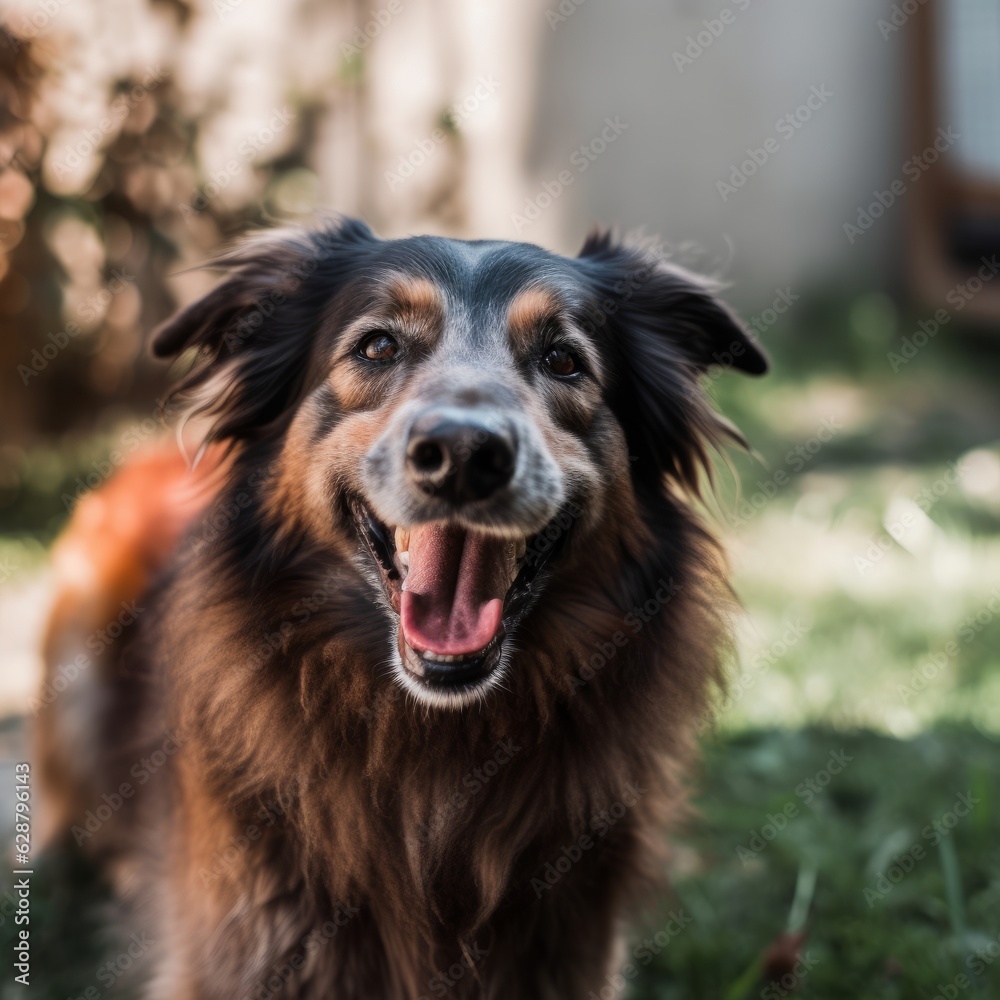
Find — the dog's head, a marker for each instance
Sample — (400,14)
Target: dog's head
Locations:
(458,413)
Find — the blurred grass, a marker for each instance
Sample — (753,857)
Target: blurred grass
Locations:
(71,935)
(904,945)
(864,559)
(862,587)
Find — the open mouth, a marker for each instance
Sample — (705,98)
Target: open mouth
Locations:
(458,592)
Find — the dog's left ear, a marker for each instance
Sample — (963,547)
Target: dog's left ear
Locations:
(663,328)
(670,302)
(254,332)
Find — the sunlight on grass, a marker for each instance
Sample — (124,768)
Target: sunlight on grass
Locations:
(873,600)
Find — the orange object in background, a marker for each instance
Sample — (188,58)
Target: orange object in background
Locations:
(117,539)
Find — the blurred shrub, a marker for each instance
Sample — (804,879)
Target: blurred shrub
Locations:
(135,135)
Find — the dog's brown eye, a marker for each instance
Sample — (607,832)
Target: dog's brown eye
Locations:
(378,347)
(561,363)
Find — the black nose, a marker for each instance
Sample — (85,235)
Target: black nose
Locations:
(459,457)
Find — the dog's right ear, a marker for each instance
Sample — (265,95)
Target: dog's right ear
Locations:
(254,332)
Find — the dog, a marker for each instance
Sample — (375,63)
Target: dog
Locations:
(422,644)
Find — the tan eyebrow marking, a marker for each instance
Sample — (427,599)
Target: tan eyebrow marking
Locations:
(416,300)
(527,312)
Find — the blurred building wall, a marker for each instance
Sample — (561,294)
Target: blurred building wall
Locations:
(691,119)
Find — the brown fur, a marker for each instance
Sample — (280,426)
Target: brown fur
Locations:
(315,832)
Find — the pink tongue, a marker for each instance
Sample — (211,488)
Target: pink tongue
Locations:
(452,600)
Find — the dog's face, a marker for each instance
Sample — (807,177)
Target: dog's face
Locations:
(455,412)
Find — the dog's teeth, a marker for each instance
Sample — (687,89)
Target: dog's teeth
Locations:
(426,654)
(402,563)
(402,540)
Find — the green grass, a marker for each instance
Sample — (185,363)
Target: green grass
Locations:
(846,829)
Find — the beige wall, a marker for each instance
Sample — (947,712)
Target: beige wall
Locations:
(688,127)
